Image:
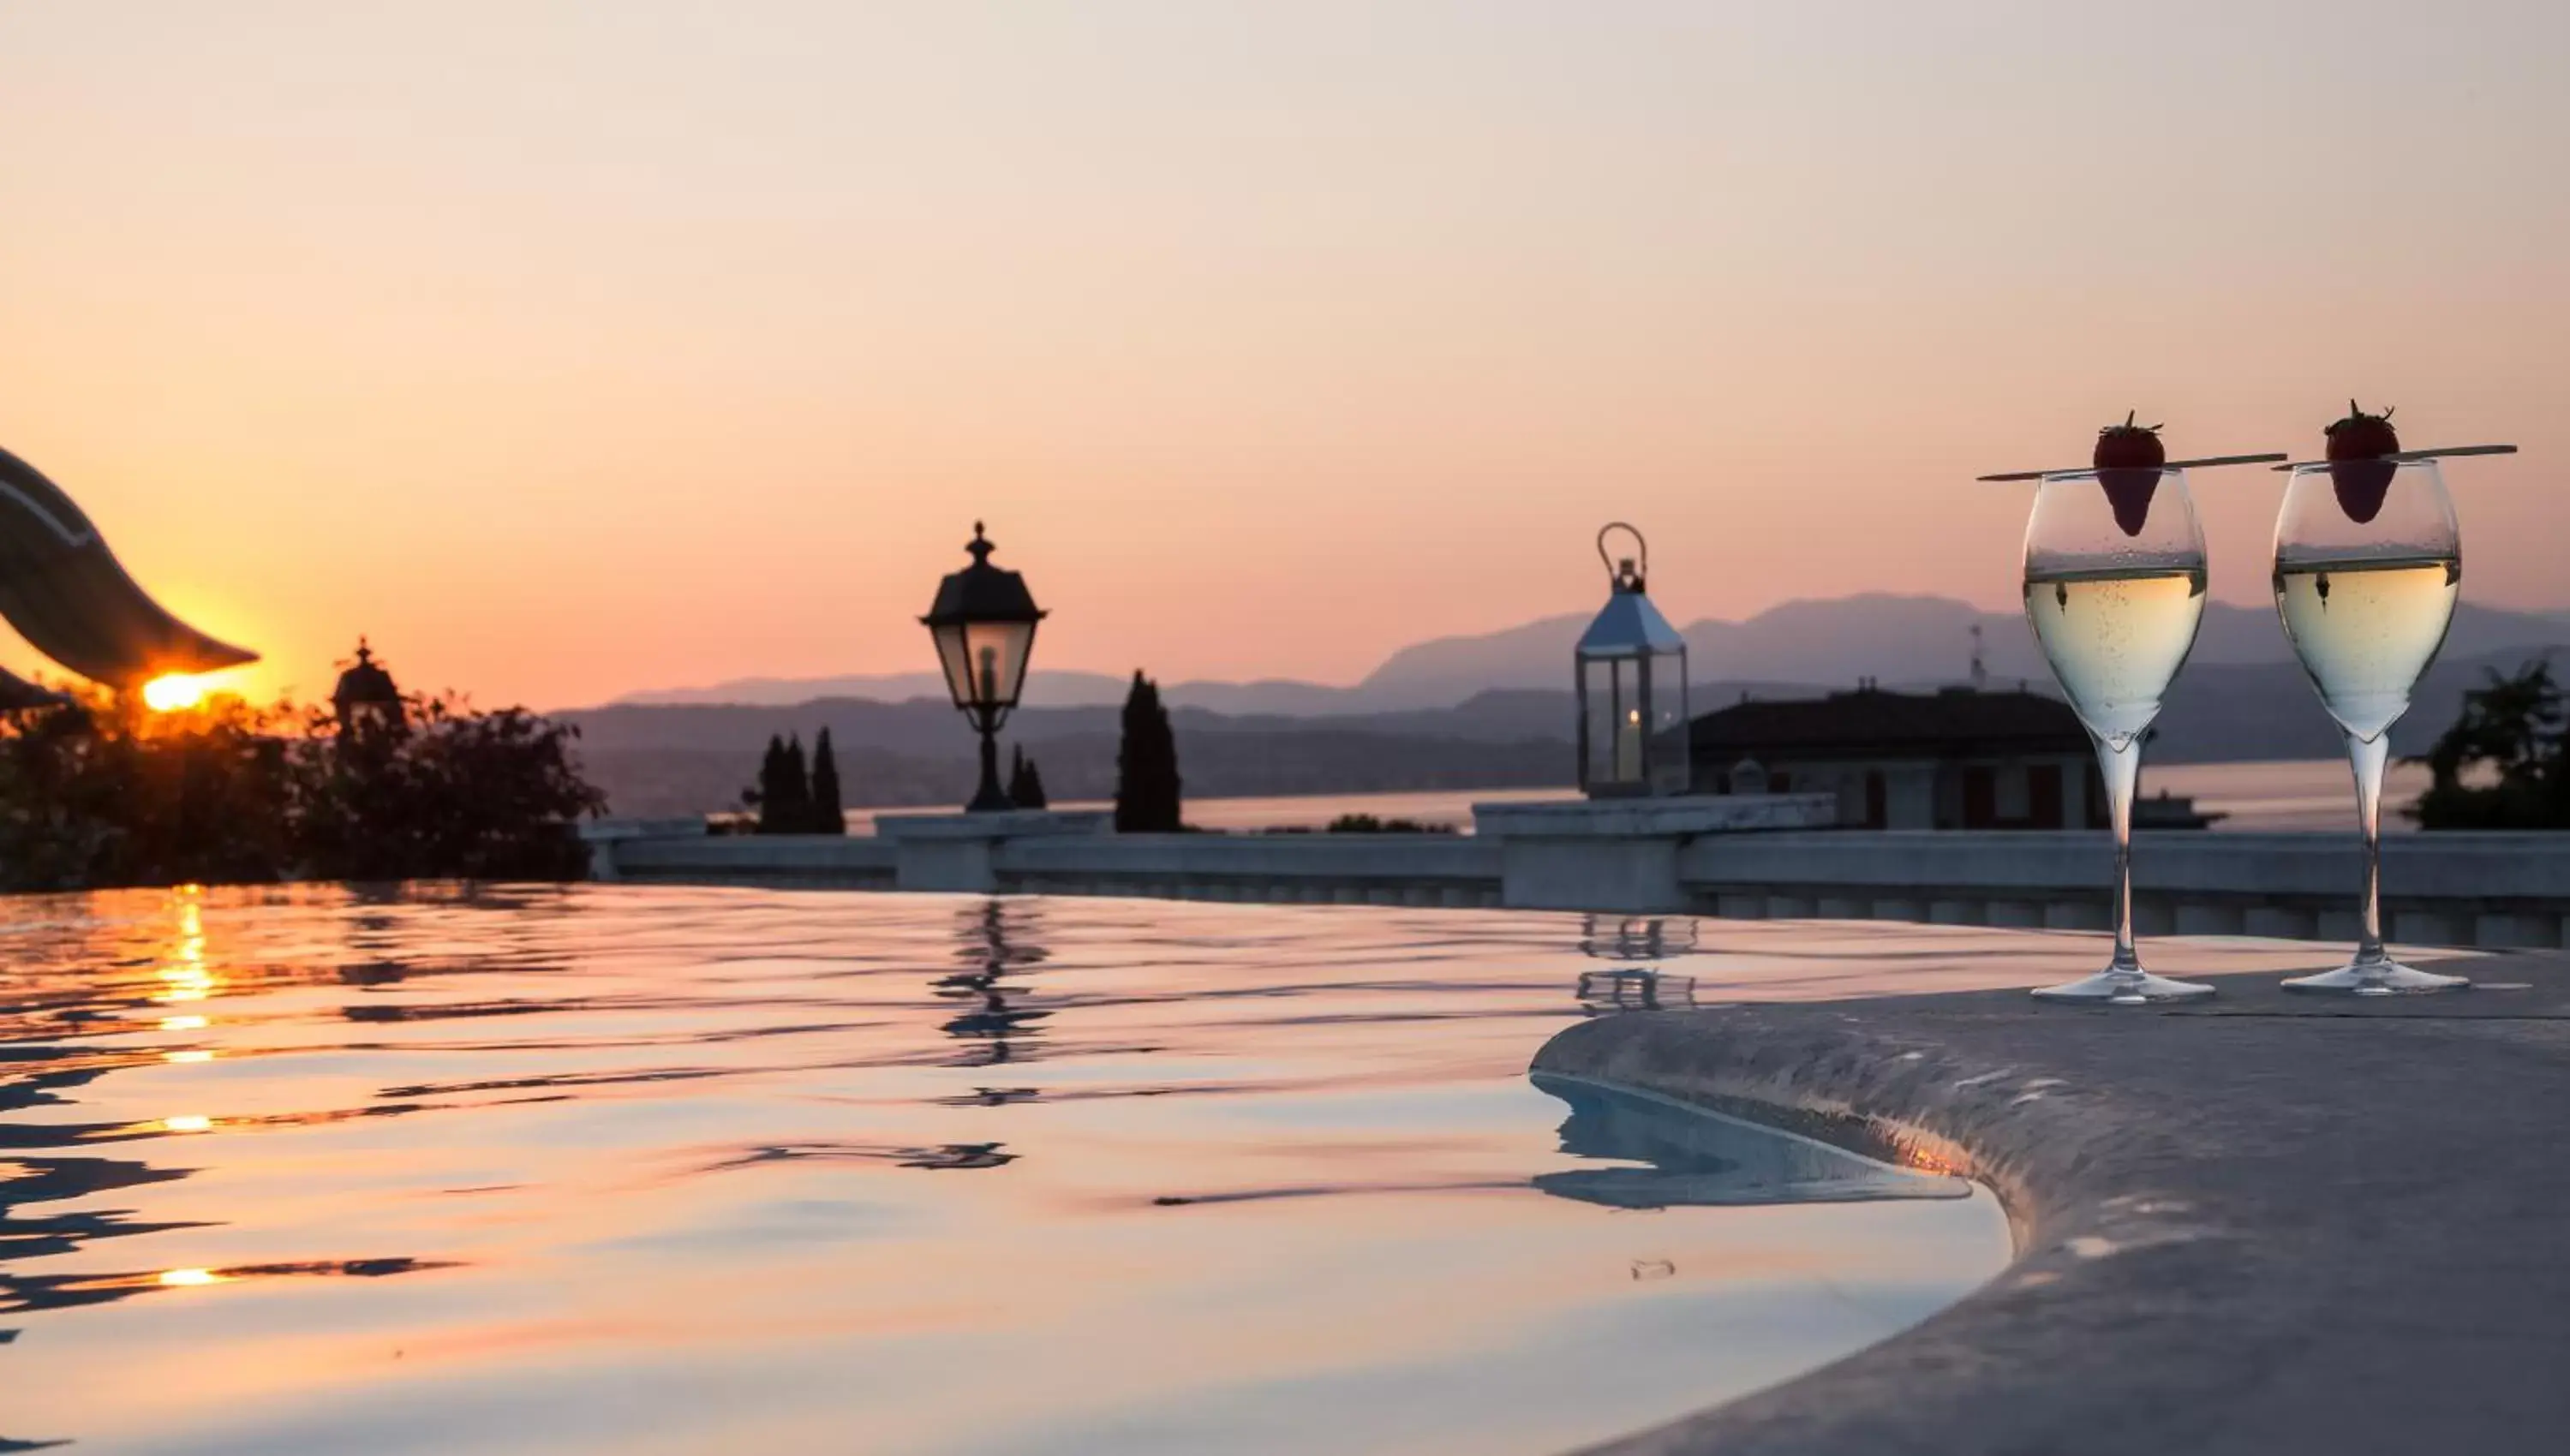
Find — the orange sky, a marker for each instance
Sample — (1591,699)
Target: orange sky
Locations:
(573,349)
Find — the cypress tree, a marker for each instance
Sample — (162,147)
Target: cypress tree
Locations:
(1026,781)
(772,786)
(794,790)
(1147,765)
(827,815)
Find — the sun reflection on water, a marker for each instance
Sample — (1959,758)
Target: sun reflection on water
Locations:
(186,975)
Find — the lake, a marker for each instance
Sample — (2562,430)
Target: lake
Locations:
(2289,795)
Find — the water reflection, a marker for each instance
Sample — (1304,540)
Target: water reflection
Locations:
(1603,992)
(990,1097)
(374,941)
(1673,1155)
(1689,1156)
(638,1145)
(1638,938)
(76,992)
(947,1157)
(1635,939)
(186,975)
(27,1294)
(25,1182)
(993,941)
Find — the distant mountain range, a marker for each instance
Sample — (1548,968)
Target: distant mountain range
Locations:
(656,759)
(1490,711)
(1046,688)
(1829,642)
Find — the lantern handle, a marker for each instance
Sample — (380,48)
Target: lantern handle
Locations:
(1624,575)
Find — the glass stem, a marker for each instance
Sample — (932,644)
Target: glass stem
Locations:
(2367,758)
(2121,768)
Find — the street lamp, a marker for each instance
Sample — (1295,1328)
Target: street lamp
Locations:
(1631,682)
(983,623)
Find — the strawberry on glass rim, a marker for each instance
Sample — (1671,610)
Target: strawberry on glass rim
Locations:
(2364,457)
(2362,448)
(2128,459)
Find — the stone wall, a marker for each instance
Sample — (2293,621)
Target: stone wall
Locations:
(2494,890)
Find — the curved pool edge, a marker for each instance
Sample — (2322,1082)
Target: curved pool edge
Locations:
(2265,1225)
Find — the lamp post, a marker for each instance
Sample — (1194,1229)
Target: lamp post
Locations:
(983,623)
(1631,677)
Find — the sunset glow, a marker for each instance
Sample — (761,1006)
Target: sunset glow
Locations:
(175,692)
(579,349)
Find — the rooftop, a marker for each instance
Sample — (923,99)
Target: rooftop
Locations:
(1869,722)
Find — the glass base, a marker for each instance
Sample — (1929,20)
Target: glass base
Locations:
(2377,979)
(2124,988)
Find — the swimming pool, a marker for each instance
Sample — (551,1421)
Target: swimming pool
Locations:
(643,1169)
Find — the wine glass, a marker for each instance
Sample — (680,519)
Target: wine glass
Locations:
(2114,587)
(2368,561)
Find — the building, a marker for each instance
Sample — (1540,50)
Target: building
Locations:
(367,700)
(1957,758)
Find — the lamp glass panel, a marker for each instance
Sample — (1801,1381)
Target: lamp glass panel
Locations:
(956,659)
(997,655)
(1598,720)
(1667,717)
(1610,693)
(1630,727)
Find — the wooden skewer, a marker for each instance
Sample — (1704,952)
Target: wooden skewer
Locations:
(2203,464)
(2406,454)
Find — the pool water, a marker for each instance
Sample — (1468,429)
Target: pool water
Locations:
(663,1170)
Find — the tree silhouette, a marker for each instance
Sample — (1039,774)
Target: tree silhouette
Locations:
(1147,765)
(772,785)
(788,806)
(827,816)
(1026,781)
(2515,728)
(99,793)
(462,794)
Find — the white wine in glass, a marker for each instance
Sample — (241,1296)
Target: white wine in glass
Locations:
(2115,638)
(2114,588)
(2368,561)
(2365,630)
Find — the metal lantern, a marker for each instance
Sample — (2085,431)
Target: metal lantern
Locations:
(983,623)
(1631,682)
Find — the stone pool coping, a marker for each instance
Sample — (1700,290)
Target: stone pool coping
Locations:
(2263,1223)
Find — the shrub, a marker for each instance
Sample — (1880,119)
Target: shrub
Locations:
(98,793)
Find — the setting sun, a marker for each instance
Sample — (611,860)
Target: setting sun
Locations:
(174,692)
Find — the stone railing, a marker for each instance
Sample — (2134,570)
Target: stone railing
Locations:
(1306,869)
(2496,890)
(2499,890)
(794,860)
(1413,870)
